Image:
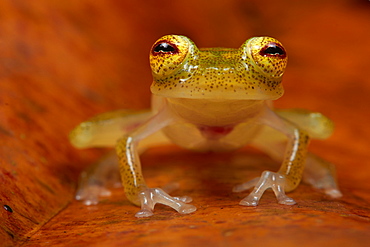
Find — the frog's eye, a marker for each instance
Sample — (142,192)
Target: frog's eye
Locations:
(168,53)
(164,47)
(273,49)
(268,55)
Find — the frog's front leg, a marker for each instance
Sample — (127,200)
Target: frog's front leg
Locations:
(135,187)
(290,173)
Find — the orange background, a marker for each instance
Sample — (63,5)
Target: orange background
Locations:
(62,62)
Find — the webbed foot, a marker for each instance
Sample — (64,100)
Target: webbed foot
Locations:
(268,179)
(150,197)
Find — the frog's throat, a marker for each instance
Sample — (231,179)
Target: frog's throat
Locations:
(215,113)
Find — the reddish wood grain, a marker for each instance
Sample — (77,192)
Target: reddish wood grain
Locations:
(62,62)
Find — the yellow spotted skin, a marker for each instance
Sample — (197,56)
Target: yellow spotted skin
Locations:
(217,73)
(132,179)
(293,168)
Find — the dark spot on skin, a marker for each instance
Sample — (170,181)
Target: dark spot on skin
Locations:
(7,208)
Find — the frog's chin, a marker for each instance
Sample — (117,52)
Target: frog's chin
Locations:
(218,94)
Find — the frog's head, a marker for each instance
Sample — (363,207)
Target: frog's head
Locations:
(252,72)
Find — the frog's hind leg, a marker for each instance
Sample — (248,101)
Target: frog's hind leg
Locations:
(104,130)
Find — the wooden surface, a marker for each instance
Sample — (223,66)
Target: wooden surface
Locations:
(63,62)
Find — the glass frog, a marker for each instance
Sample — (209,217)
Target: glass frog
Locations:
(214,99)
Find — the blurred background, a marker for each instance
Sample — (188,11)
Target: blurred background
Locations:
(62,62)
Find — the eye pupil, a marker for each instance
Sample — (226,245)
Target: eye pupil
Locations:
(165,47)
(273,50)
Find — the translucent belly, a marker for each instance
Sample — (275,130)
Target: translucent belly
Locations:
(209,138)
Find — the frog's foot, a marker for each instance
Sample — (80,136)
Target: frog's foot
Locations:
(150,197)
(91,188)
(321,175)
(90,195)
(96,179)
(326,183)
(268,179)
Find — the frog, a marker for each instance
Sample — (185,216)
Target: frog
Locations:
(209,100)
